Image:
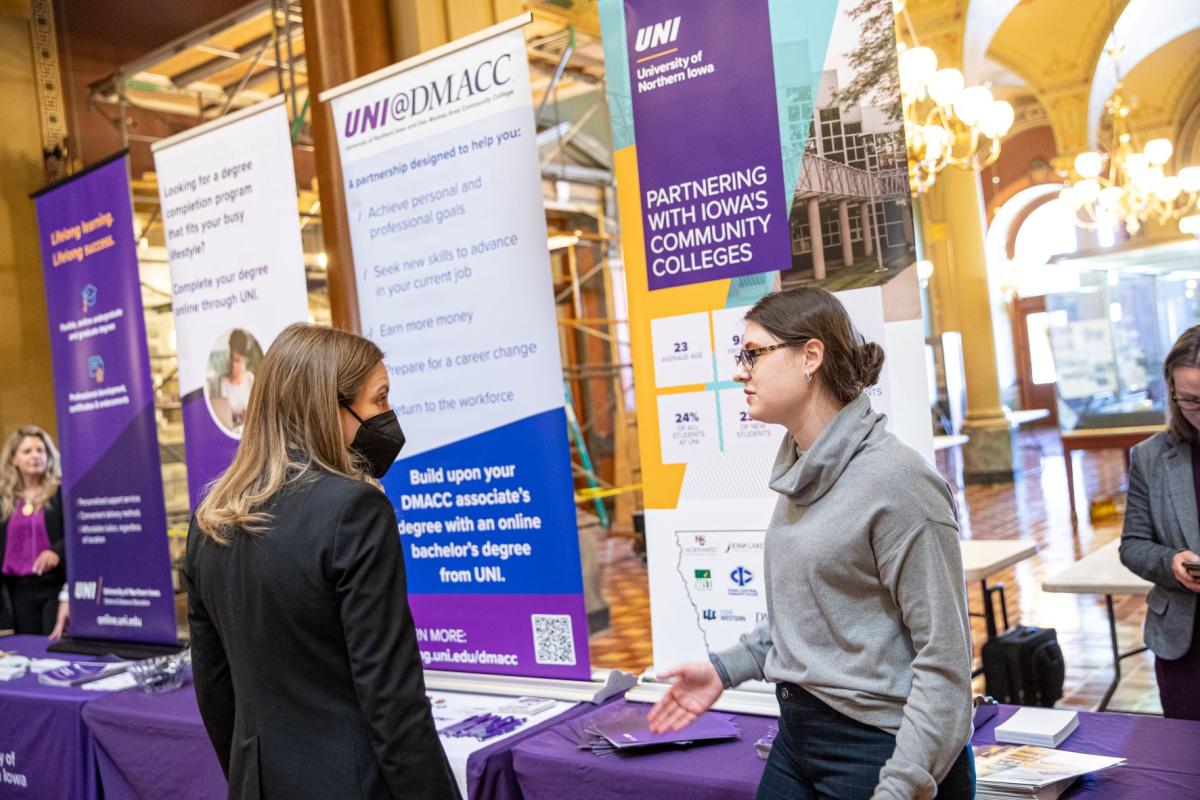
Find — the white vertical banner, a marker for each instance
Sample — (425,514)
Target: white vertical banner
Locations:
(227,191)
(443,191)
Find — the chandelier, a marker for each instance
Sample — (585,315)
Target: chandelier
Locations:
(1136,186)
(946,123)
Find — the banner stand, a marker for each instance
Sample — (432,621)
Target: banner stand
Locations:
(603,685)
(228,204)
(447,226)
(118,560)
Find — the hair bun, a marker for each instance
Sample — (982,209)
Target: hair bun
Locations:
(869,358)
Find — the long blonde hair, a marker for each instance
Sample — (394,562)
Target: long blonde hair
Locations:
(10,477)
(291,426)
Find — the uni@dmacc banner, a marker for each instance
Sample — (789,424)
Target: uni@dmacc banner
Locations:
(440,164)
(227,191)
(724,197)
(118,562)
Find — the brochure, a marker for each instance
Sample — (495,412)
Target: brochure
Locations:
(1026,771)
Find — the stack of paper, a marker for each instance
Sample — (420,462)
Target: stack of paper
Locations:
(1031,772)
(1043,727)
(13,666)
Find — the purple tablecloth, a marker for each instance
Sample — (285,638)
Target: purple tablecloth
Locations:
(126,727)
(1162,755)
(153,745)
(550,767)
(1163,761)
(490,773)
(44,743)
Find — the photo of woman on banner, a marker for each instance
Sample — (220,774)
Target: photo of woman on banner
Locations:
(867,638)
(231,365)
(33,563)
(307,671)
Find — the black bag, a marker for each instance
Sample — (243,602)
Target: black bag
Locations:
(1024,666)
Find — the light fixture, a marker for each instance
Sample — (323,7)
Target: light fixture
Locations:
(322,260)
(946,123)
(1136,186)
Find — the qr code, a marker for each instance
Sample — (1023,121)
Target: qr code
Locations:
(553,639)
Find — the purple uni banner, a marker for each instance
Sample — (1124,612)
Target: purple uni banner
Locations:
(712,193)
(117,558)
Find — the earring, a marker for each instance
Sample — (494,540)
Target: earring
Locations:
(808,376)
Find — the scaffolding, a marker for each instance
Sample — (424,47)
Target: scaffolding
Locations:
(257,52)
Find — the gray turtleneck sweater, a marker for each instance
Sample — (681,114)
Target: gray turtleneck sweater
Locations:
(866,596)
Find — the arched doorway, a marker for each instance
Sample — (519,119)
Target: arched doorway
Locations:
(1026,232)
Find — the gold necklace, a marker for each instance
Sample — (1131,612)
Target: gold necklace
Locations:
(27,509)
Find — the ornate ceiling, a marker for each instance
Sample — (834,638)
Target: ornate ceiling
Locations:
(1052,53)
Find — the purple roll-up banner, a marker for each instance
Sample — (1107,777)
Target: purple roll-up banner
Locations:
(712,193)
(118,562)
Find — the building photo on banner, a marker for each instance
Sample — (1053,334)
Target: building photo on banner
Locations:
(813,193)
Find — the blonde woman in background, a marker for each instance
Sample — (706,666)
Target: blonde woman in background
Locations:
(32,549)
(305,656)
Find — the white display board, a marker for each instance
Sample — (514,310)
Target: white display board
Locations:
(449,241)
(440,163)
(227,191)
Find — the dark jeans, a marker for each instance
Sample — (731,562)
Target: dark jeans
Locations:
(820,753)
(34,602)
(1179,680)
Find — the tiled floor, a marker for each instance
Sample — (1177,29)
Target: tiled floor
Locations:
(1034,507)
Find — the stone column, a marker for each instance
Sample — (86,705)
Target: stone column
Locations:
(342,42)
(814,236)
(868,230)
(844,227)
(990,455)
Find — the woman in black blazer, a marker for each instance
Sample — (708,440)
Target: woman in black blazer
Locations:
(305,656)
(33,560)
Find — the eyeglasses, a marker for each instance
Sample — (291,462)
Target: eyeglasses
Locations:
(748,358)
(1187,403)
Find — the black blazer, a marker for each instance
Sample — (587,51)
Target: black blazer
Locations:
(54,531)
(305,655)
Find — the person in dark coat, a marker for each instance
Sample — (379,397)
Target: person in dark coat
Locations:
(305,656)
(1161,538)
(33,557)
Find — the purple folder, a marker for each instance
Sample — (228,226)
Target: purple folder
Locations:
(631,729)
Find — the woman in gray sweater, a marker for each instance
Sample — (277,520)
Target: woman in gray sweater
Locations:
(868,640)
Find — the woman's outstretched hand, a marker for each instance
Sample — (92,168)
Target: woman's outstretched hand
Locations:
(696,686)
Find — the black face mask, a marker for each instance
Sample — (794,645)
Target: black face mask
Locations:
(379,440)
